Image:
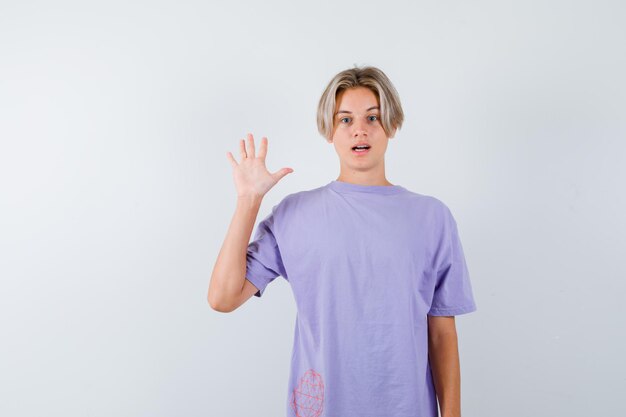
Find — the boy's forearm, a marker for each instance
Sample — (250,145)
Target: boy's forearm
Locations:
(444,362)
(229,271)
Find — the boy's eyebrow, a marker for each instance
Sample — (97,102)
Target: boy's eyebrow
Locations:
(346,111)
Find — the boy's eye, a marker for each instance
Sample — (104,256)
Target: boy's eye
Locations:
(373,118)
(344,119)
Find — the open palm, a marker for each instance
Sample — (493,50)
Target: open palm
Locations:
(251,175)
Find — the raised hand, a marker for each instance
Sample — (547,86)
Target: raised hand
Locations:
(251,176)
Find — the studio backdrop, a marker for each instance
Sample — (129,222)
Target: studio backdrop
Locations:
(116,192)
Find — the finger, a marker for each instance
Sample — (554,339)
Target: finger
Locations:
(242,149)
(251,151)
(230,157)
(263,148)
(278,175)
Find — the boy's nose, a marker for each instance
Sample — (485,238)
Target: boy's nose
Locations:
(360,129)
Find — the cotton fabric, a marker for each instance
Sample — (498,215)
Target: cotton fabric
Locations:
(366,264)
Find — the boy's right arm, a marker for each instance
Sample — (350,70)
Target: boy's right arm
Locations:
(229,288)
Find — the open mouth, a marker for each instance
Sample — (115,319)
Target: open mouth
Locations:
(360,149)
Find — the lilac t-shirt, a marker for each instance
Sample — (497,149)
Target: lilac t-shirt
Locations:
(366,264)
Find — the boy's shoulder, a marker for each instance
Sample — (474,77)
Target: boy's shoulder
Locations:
(299,197)
(313,195)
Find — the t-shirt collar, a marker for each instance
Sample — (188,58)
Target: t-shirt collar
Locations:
(343,187)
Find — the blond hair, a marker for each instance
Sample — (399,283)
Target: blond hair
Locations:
(391,114)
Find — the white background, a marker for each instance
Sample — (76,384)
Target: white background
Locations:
(116,193)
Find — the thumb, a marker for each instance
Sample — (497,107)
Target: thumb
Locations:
(278,175)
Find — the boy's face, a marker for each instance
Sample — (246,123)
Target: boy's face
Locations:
(357,120)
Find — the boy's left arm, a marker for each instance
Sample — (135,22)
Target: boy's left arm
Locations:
(443,354)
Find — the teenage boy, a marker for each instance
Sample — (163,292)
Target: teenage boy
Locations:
(377,271)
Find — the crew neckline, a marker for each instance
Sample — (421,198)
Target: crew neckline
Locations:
(342,186)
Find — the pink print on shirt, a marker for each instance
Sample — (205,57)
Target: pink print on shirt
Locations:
(307,399)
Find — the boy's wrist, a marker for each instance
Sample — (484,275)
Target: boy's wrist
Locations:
(249,200)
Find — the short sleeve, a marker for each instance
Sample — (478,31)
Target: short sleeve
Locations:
(263,259)
(453,291)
